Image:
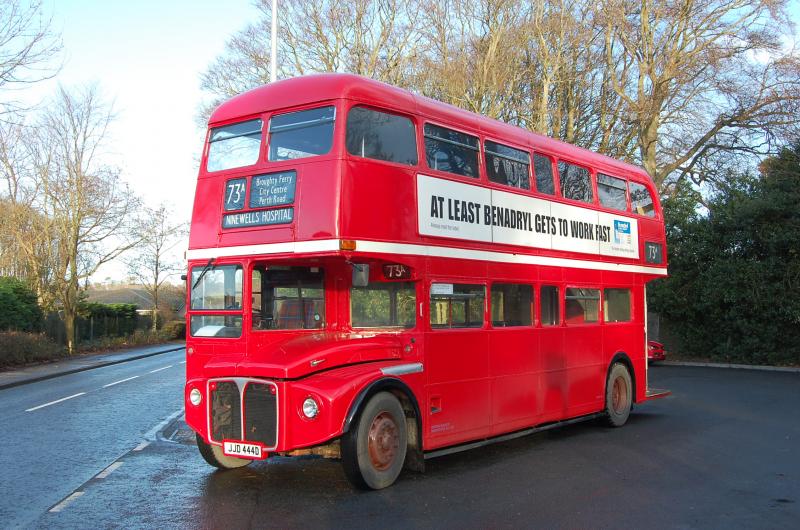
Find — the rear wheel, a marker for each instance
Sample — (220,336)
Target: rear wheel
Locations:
(619,395)
(374,449)
(214,456)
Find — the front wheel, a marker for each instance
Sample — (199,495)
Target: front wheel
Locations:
(619,395)
(214,456)
(374,449)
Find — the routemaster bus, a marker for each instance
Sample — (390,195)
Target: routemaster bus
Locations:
(381,278)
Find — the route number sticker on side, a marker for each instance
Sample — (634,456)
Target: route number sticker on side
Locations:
(254,451)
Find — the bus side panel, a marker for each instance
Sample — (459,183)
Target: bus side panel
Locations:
(514,370)
(336,391)
(456,364)
(553,376)
(586,371)
(386,195)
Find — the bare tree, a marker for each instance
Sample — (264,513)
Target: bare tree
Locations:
(27,46)
(91,210)
(698,77)
(373,38)
(29,246)
(677,86)
(153,260)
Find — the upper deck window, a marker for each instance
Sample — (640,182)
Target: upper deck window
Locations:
(301,134)
(234,145)
(543,167)
(451,151)
(641,200)
(382,136)
(611,191)
(576,184)
(506,165)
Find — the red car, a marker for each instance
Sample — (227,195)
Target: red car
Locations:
(655,351)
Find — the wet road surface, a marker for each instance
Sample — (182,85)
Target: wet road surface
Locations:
(722,452)
(58,433)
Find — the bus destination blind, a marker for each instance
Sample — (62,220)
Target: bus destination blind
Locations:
(265,191)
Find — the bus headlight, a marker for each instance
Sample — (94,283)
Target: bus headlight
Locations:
(195,397)
(310,408)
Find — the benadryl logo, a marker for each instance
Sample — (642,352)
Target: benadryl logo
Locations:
(622,232)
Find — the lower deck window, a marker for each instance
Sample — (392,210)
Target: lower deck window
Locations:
(457,305)
(288,298)
(511,304)
(617,305)
(548,301)
(385,304)
(582,305)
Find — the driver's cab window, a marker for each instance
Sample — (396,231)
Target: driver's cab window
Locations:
(288,298)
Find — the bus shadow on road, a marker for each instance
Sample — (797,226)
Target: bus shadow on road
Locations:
(319,478)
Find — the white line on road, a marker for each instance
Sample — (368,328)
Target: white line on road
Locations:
(141,446)
(110,469)
(63,504)
(120,381)
(54,402)
(159,369)
(182,362)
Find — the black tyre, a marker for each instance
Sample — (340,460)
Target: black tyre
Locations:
(374,449)
(619,395)
(214,456)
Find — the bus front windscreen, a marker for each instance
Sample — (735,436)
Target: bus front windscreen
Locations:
(234,145)
(217,289)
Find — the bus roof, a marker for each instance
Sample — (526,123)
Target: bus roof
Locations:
(304,90)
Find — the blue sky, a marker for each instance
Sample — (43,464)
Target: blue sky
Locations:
(146,57)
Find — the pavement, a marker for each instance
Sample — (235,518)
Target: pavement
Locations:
(80,363)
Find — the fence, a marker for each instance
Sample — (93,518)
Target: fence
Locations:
(95,326)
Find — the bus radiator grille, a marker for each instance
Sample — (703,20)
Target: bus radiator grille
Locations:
(260,413)
(226,416)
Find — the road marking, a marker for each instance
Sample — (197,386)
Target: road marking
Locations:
(159,369)
(141,446)
(182,362)
(120,381)
(54,402)
(110,469)
(66,502)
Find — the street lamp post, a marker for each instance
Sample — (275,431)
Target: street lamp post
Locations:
(273,59)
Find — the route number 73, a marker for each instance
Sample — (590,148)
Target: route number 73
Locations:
(234,194)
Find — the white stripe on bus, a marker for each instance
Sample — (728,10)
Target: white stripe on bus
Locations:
(381,247)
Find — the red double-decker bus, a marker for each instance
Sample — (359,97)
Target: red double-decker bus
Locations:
(382,278)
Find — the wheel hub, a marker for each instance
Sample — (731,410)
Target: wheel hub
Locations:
(619,395)
(383,441)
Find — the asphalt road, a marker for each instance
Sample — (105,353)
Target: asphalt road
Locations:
(722,452)
(59,433)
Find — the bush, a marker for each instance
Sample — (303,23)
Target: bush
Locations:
(18,347)
(174,329)
(106,319)
(19,309)
(733,293)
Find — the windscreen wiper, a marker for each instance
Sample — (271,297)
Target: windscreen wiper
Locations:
(203,272)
